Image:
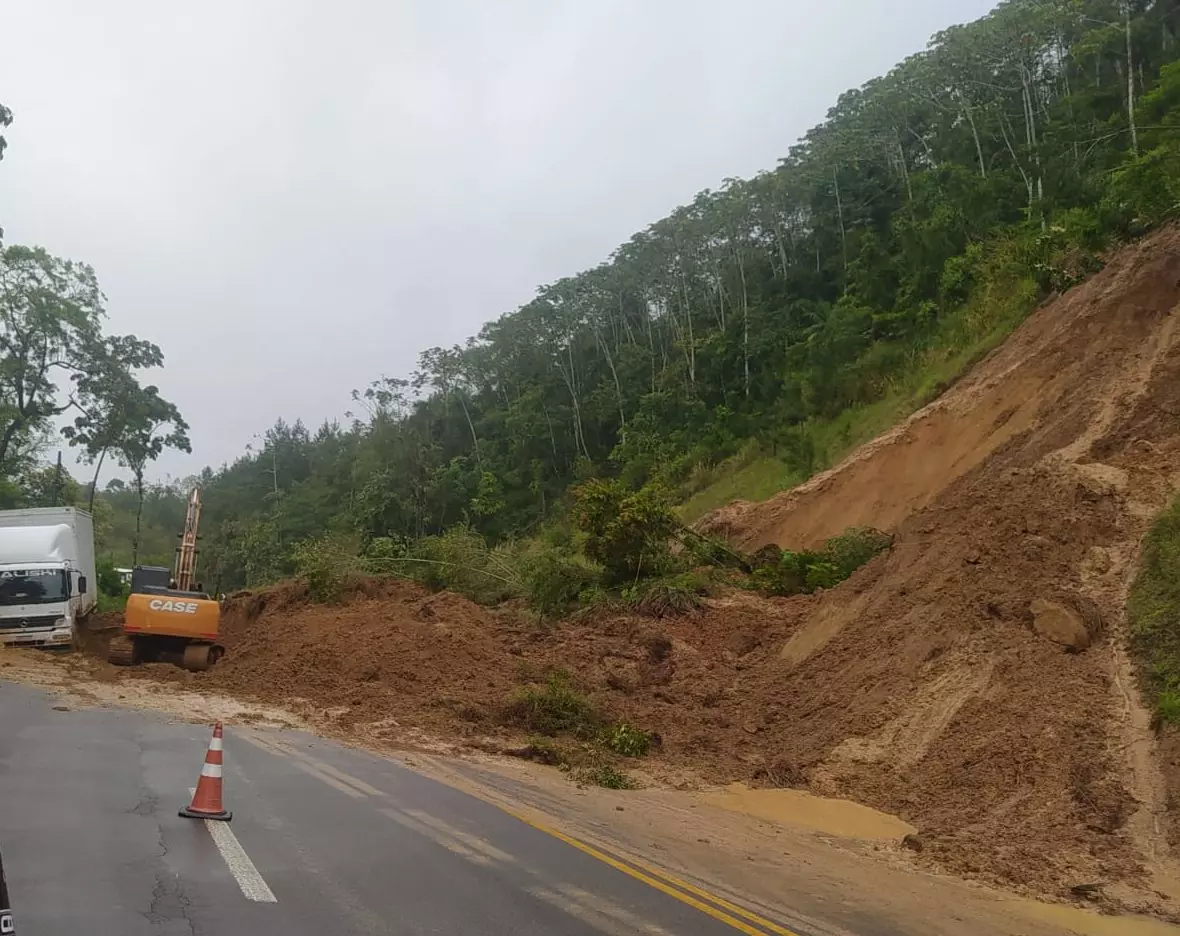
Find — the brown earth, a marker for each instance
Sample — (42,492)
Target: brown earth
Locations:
(973,681)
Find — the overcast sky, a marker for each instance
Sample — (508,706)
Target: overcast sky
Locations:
(293,197)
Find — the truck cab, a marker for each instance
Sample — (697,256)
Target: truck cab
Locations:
(46,575)
(38,603)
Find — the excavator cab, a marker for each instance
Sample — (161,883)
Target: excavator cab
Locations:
(170,619)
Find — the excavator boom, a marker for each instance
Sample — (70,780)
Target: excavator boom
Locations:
(186,553)
(173,621)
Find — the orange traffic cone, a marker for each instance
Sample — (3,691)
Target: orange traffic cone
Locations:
(206,802)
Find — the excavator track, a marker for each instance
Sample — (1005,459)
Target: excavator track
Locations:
(121,651)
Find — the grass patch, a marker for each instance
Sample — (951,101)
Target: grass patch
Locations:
(670,596)
(603,775)
(755,480)
(1153,611)
(554,707)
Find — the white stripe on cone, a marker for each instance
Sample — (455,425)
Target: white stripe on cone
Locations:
(211,770)
(215,744)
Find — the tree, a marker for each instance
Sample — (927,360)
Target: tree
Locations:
(106,395)
(5,121)
(50,311)
(148,426)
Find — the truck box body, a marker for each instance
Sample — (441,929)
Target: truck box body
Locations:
(47,575)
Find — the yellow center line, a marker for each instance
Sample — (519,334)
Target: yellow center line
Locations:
(666,888)
(737,917)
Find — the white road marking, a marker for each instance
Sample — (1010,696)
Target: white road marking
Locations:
(240,866)
(331,781)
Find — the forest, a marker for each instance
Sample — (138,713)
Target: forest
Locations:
(736,346)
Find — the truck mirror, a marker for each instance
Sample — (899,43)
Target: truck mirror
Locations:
(81,584)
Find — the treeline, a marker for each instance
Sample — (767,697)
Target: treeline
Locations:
(933,207)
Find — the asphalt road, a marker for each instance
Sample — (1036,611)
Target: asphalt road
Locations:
(325,840)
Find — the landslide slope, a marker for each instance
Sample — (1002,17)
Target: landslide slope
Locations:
(975,680)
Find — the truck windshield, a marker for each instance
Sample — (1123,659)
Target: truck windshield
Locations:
(33,586)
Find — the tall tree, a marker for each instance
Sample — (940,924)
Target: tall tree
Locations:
(150,424)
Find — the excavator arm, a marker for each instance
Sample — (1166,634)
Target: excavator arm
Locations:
(186,552)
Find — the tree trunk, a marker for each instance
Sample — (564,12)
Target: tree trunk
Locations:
(471,426)
(905,169)
(1130,79)
(610,362)
(975,136)
(840,215)
(138,515)
(94,482)
(1028,183)
(745,324)
(9,434)
(692,347)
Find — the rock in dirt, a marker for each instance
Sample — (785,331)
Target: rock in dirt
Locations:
(912,842)
(1060,624)
(1097,560)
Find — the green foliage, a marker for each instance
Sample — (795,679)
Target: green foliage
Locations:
(554,580)
(326,564)
(627,532)
(627,740)
(112,592)
(806,571)
(554,707)
(1167,706)
(1153,611)
(669,596)
(460,560)
(603,775)
(110,582)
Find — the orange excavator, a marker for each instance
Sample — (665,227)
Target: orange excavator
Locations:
(169,618)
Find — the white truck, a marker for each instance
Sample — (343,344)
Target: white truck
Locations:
(47,577)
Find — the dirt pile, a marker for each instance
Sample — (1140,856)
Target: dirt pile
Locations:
(971,681)
(390,651)
(392,661)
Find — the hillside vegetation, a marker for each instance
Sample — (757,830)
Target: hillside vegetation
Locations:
(753,335)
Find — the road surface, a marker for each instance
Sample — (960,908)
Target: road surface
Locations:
(324,840)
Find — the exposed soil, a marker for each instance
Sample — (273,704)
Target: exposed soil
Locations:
(973,681)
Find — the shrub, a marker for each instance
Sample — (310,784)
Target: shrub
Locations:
(112,592)
(325,564)
(805,571)
(553,580)
(854,547)
(460,560)
(554,707)
(667,597)
(627,740)
(628,533)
